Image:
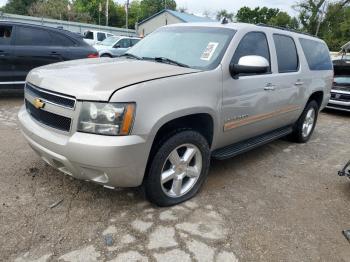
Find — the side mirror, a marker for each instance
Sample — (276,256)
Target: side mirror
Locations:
(251,64)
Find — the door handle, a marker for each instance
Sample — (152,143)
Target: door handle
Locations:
(299,83)
(269,87)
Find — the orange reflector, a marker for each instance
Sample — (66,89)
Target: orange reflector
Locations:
(128,119)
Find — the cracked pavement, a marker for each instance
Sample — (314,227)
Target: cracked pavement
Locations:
(280,202)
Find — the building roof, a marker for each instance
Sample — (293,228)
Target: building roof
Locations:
(184,17)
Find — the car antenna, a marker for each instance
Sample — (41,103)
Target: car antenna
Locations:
(224,21)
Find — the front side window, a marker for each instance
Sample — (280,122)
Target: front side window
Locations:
(197,47)
(317,54)
(27,36)
(124,43)
(287,55)
(254,43)
(5,35)
(101,37)
(134,41)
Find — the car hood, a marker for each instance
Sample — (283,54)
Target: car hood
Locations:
(97,79)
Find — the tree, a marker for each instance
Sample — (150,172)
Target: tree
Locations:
(151,7)
(224,13)
(283,19)
(257,15)
(57,9)
(19,7)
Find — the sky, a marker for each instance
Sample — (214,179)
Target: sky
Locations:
(200,6)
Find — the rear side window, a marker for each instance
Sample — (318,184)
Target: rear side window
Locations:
(89,35)
(5,35)
(27,36)
(101,37)
(287,55)
(61,40)
(254,43)
(317,55)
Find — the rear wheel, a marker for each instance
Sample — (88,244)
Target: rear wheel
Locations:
(305,126)
(106,55)
(178,169)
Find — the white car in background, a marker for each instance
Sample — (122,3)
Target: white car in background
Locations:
(115,46)
(93,37)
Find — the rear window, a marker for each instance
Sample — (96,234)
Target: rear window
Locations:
(317,54)
(342,80)
(5,35)
(27,36)
(287,55)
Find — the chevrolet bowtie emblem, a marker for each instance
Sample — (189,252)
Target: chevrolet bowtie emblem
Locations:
(38,103)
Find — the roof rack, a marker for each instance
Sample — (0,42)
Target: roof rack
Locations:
(286,29)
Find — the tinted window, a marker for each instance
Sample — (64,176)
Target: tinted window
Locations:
(134,41)
(5,35)
(89,35)
(61,40)
(254,43)
(101,36)
(317,54)
(287,55)
(32,36)
(124,43)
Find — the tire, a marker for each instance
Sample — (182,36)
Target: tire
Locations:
(183,162)
(106,56)
(303,128)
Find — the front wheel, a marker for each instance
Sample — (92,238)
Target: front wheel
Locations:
(305,126)
(178,169)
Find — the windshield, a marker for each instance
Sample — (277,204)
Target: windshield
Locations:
(196,47)
(109,41)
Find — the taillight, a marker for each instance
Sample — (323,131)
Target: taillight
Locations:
(94,55)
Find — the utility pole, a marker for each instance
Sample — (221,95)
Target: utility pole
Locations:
(165,4)
(99,13)
(321,18)
(127,14)
(107,6)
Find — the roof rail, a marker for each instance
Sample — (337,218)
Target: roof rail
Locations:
(286,29)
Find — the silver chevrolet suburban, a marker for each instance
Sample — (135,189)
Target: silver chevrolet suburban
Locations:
(185,94)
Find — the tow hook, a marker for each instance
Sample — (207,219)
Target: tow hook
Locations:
(345,171)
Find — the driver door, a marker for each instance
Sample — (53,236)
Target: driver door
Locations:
(248,101)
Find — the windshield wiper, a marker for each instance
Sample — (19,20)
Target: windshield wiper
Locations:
(169,61)
(132,56)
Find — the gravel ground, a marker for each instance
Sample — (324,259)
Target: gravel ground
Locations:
(280,202)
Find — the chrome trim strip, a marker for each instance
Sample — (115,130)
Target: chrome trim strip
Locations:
(253,119)
(336,91)
(13,83)
(54,94)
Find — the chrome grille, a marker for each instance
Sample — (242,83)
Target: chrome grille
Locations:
(54,110)
(51,97)
(52,120)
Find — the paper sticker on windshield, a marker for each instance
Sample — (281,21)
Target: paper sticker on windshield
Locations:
(209,51)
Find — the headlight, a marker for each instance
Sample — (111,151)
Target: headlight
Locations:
(110,119)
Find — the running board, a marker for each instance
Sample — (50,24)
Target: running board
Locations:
(242,147)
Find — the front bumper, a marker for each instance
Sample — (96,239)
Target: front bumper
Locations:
(111,161)
(340,100)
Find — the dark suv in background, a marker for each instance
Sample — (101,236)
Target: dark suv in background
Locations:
(24,47)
